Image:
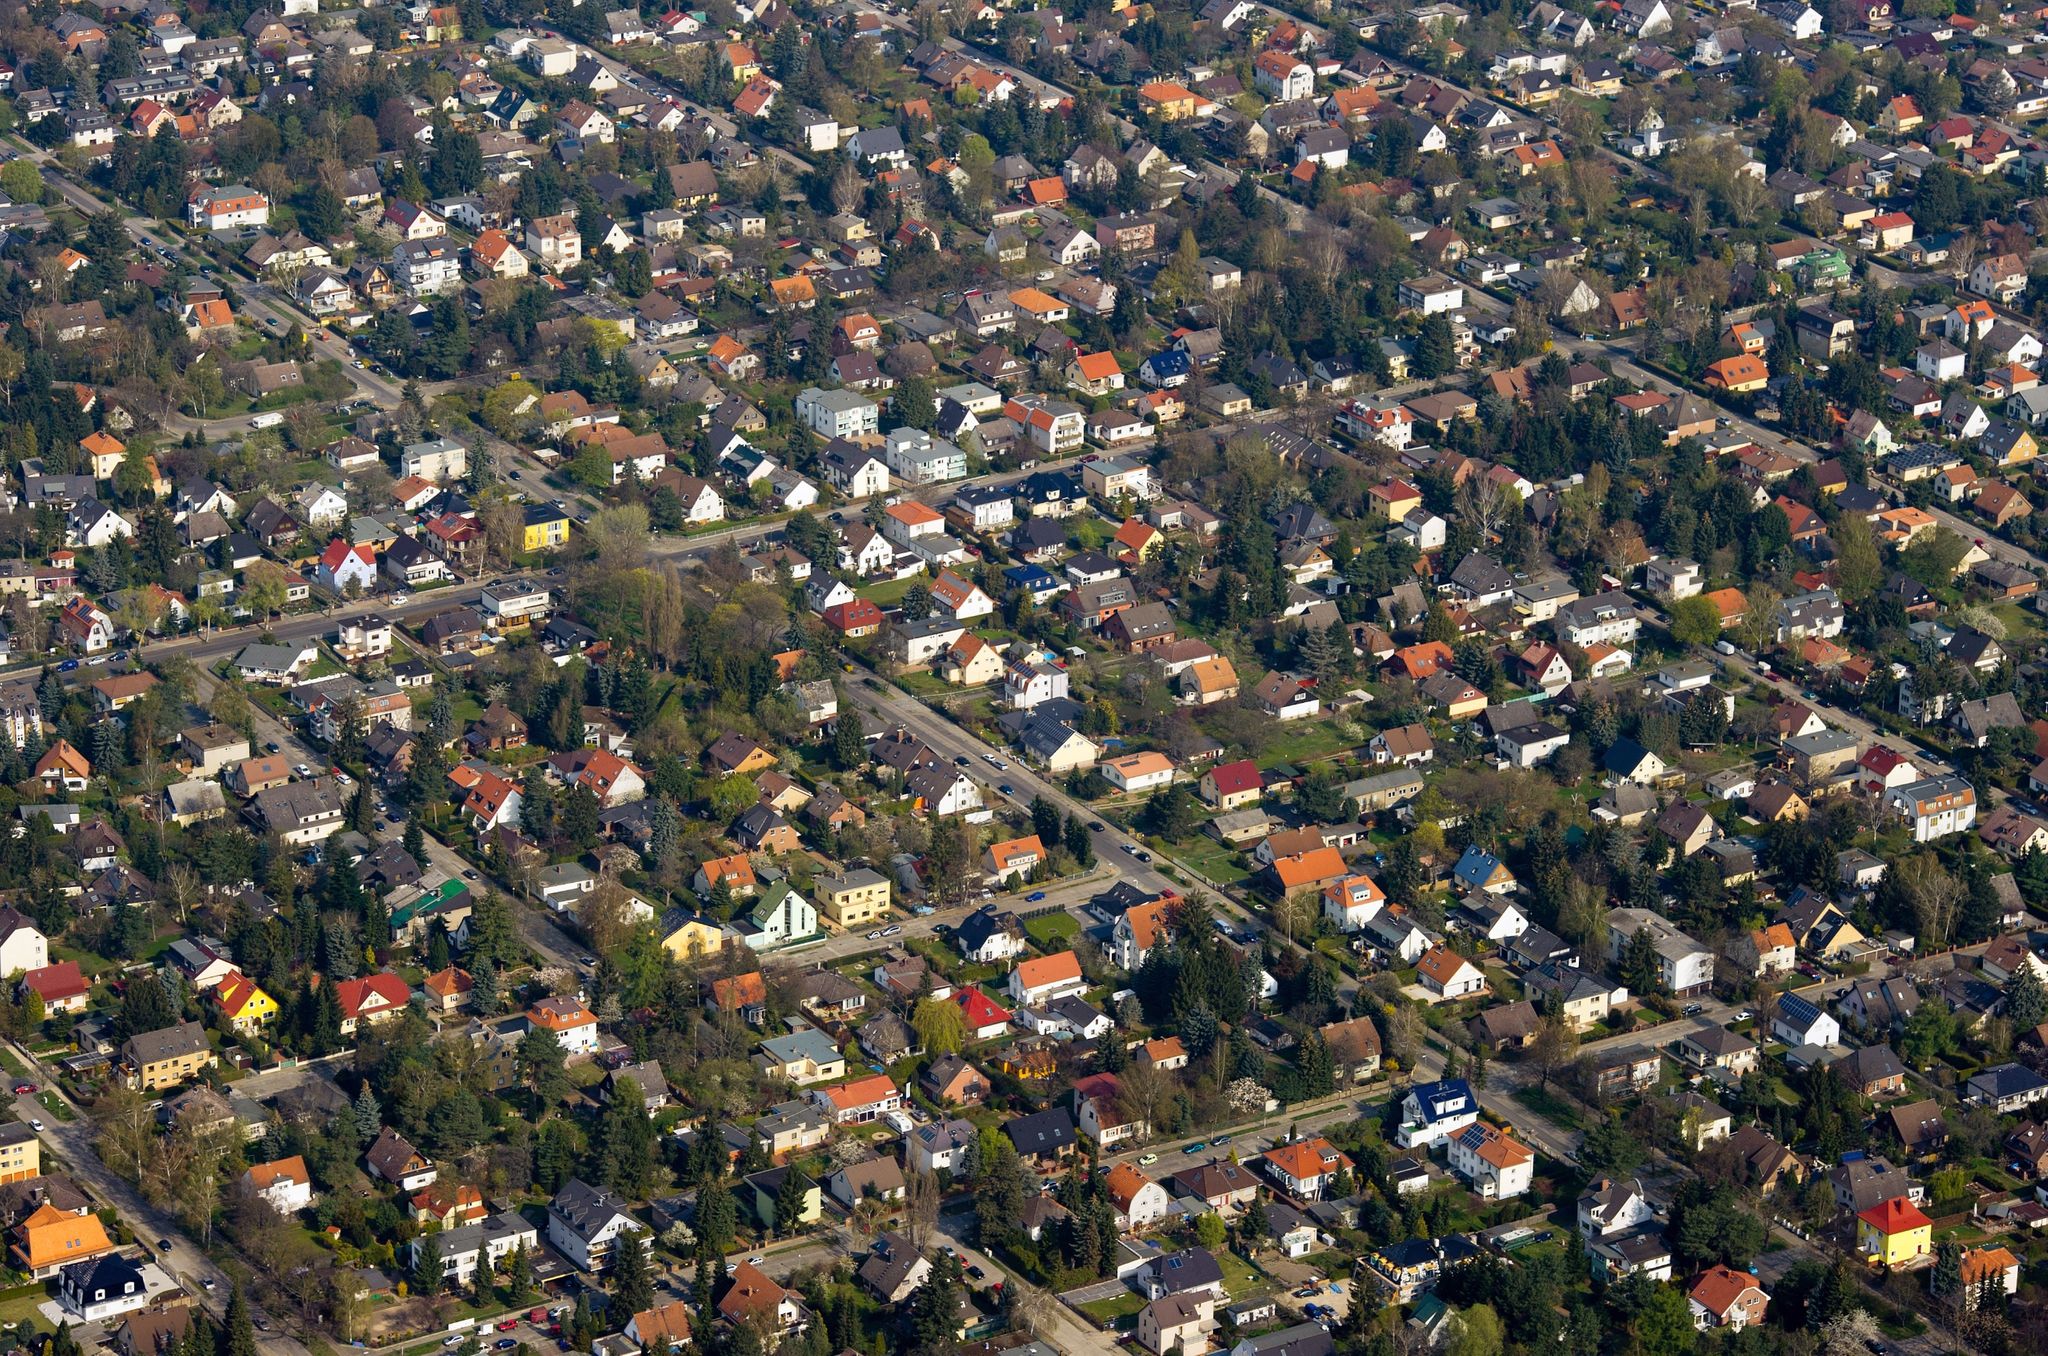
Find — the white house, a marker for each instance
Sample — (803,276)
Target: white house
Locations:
(285,1183)
(584,1224)
(1433,1112)
(1496,1164)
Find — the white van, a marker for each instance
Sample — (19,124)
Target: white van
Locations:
(270,420)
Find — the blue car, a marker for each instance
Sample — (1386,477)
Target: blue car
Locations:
(67,666)
(1034,896)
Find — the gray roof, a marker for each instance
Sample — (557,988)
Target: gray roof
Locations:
(151,1047)
(582,1208)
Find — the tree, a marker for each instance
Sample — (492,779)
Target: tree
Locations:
(1859,569)
(542,1065)
(22,181)
(791,1198)
(1638,967)
(1210,1231)
(369,1117)
(1664,1323)
(1436,350)
(941,1027)
(1045,821)
(625,1139)
(1554,1049)
(631,1288)
(1312,1060)
(426,1266)
(1695,621)
(2026,1000)
(1479,1332)
(717,1216)
(1610,1150)
(1080,843)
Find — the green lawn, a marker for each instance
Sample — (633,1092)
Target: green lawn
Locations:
(18,1309)
(1239,1276)
(1118,1313)
(1053,929)
(1548,1105)
(1220,862)
(891,593)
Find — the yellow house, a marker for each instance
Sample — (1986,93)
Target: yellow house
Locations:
(21,1153)
(154,1060)
(1894,1233)
(244,1003)
(1168,101)
(687,935)
(764,1199)
(855,899)
(546,528)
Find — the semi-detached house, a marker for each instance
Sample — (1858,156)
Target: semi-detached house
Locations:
(837,414)
(586,1224)
(1684,966)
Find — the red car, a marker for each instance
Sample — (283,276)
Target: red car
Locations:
(508,1325)
(24,1089)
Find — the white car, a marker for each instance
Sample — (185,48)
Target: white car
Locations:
(302,770)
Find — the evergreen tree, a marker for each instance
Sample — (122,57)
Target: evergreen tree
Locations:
(1080,843)
(2026,1000)
(542,1065)
(849,750)
(717,1217)
(789,1200)
(415,840)
(240,1336)
(369,1117)
(632,1291)
(427,1265)
(1045,821)
(484,996)
(625,1140)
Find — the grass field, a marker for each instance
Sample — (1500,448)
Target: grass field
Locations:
(1239,1276)
(1119,1313)
(1053,928)
(18,1310)
(1549,1105)
(1218,861)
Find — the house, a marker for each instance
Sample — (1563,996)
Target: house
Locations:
(586,1224)
(284,1183)
(2006,1088)
(99,1288)
(1013,858)
(50,1239)
(1232,786)
(1449,976)
(1497,1166)
(859,1101)
(154,1060)
(396,1161)
(1797,1022)
(370,999)
(1894,1233)
(1684,966)
(1725,1298)
(1040,980)
(755,1300)
(1042,1138)
(1190,1272)
(1432,1112)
